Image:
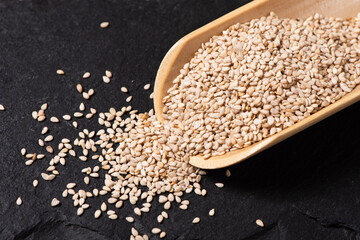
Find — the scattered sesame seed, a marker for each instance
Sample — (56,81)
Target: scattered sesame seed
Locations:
(19,201)
(35,183)
(108,74)
(227,173)
(34,114)
(106,79)
(124,89)
(259,223)
(49,138)
(2,108)
(130,219)
(44,106)
(86,75)
(60,72)
(97,213)
(67,117)
(128,99)
(219,185)
(147,86)
(54,119)
(55,202)
(104,24)
(79,88)
(23,151)
(156,230)
(196,220)
(212,212)
(44,130)
(162,234)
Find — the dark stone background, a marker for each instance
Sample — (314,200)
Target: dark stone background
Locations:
(307,187)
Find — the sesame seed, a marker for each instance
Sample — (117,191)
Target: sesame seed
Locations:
(108,74)
(156,230)
(212,212)
(259,223)
(219,185)
(19,201)
(67,117)
(80,211)
(147,86)
(23,151)
(44,130)
(2,108)
(86,75)
(128,99)
(55,202)
(130,219)
(227,173)
(79,88)
(104,24)
(60,72)
(162,234)
(78,114)
(34,114)
(106,79)
(124,89)
(97,213)
(196,220)
(49,138)
(54,119)
(44,106)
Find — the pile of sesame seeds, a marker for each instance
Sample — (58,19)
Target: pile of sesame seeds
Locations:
(260,77)
(137,155)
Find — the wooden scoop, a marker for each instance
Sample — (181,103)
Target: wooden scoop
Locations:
(186,47)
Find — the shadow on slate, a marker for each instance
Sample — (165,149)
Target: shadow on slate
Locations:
(306,187)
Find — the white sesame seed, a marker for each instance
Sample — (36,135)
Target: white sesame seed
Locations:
(78,114)
(91,92)
(147,86)
(34,114)
(44,130)
(128,99)
(86,75)
(137,211)
(106,79)
(156,230)
(196,220)
(212,212)
(162,234)
(55,202)
(108,74)
(104,24)
(23,151)
(259,223)
(49,138)
(19,201)
(79,88)
(44,106)
(75,124)
(130,219)
(160,218)
(67,117)
(219,185)
(124,89)
(54,119)
(60,72)
(2,108)
(80,211)
(97,213)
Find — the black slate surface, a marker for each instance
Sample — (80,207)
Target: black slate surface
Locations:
(307,187)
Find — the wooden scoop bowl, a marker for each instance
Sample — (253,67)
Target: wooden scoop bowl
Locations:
(185,48)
